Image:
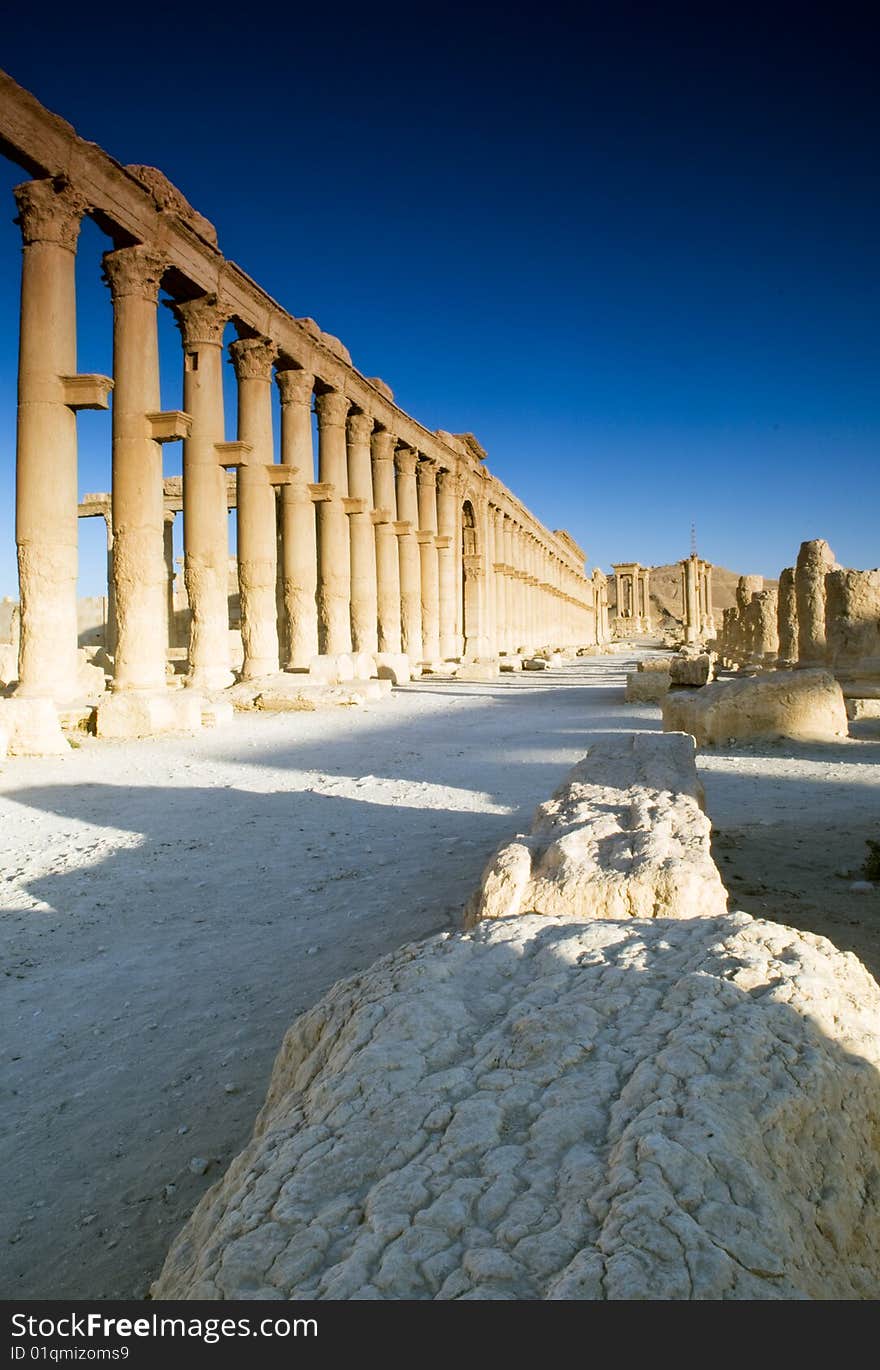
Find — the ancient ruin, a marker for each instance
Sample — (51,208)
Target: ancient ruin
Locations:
(400,543)
(633,599)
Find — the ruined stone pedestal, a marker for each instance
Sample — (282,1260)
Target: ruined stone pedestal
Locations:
(132,714)
(32,728)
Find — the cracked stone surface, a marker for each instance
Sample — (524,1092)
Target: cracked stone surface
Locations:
(546,1108)
(624,836)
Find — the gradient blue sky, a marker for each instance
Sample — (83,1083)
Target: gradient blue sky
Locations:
(634,251)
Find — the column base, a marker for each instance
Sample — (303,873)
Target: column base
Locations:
(478,670)
(210,678)
(127,714)
(30,727)
(394,666)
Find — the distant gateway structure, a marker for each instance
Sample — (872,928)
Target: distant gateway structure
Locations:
(403,544)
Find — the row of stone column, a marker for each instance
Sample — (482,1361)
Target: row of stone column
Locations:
(369,558)
(696,593)
(633,597)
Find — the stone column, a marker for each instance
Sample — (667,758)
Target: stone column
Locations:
(140,579)
(787,619)
(110,626)
(364,603)
(426,476)
(815,560)
(257,529)
(410,563)
(168,558)
(205,508)
(49,393)
(448,502)
(299,551)
(382,447)
(334,556)
(692,630)
(500,576)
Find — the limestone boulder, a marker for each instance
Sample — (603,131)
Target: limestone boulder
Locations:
(332,670)
(560,1109)
(624,836)
(646,687)
(803,705)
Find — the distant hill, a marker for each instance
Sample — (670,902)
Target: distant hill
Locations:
(666,605)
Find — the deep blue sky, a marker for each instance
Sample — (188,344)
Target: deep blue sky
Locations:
(634,252)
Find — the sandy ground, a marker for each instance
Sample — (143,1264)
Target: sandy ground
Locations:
(169,907)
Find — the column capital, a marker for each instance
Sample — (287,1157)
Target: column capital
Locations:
(50,211)
(450,483)
(295,387)
(253,358)
(405,459)
(426,473)
(134,270)
(332,408)
(202,320)
(359,426)
(383,444)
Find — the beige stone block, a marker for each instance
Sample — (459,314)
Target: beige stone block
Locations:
(655,663)
(508,664)
(862,708)
(332,669)
(803,705)
(694,670)
(646,687)
(130,714)
(535,663)
(394,667)
(624,836)
(364,665)
(32,727)
(478,670)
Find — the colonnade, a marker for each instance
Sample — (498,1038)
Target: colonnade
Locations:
(400,541)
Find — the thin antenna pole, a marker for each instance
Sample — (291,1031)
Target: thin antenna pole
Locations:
(693,539)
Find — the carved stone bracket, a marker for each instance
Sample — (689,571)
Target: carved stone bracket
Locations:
(87,392)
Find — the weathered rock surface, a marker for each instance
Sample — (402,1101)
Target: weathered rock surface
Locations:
(815,559)
(693,670)
(553,1109)
(852,622)
(624,836)
(803,705)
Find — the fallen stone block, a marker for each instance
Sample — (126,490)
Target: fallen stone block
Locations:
(393,666)
(802,705)
(508,664)
(862,708)
(32,728)
(554,1109)
(535,663)
(625,836)
(364,666)
(692,670)
(662,664)
(646,687)
(478,670)
(125,714)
